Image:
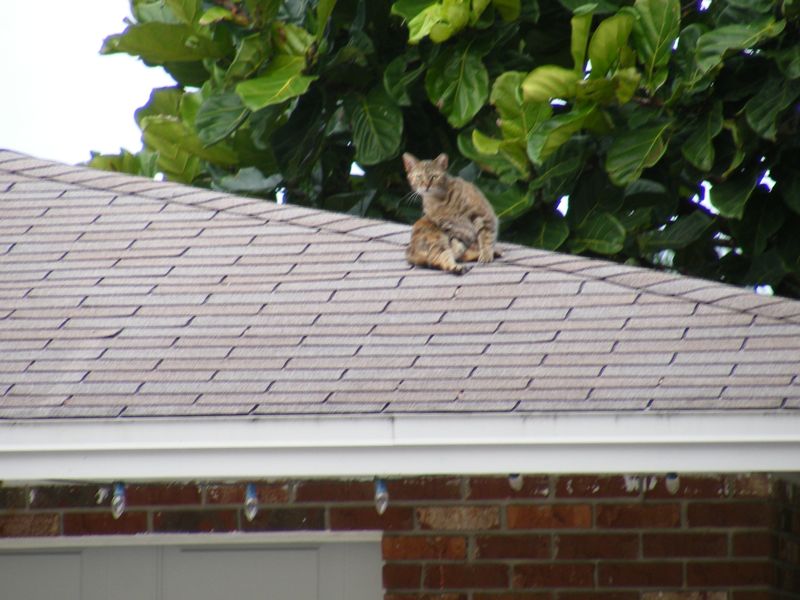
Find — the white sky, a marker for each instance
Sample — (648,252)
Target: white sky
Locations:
(59,98)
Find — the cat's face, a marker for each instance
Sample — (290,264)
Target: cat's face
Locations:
(426,177)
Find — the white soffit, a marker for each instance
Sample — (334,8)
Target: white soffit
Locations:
(341,446)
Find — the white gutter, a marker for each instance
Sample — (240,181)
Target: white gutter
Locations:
(400,445)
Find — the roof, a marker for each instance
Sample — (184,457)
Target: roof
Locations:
(128,300)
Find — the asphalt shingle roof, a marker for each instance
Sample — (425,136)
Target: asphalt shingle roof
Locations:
(126,297)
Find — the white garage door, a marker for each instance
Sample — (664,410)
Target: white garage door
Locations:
(348,571)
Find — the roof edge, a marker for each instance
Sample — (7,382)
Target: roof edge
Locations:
(665,284)
(398,445)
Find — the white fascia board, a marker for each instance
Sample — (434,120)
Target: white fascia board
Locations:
(398,445)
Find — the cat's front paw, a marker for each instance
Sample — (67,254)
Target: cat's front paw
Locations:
(486,256)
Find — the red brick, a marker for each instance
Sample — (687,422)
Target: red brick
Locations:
(193,521)
(424,488)
(417,547)
(552,516)
(512,546)
(788,550)
(474,576)
(730,514)
(571,547)
(68,496)
(553,576)
(590,486)
(102,523)
(162,494)
(287,519)
(637,574)
(513,596)
(425,596)
(754,543)
(402,576)
(498,488)
(685,596)
(268,493)
(396,518)
(752,485)
(756,595)
(730,574)
(29,525)
(11,498)
(335,491)
(688,487)
(642,516)
(684,545)
(598,596)
(459,517)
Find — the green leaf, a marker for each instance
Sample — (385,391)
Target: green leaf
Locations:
(508,201)
(162,101)
(553,133)
(581,26)
(654,35)
(485,144)
(676,235)
(262,11)
(499,164)
(124,162)
(608,42)
(250,55)
(186,10)
(219,116)
(158,43)
(458,84)
(548,82)
(408,9)
(396,79)
(179,149)
(249,180)
(423,23)
(291,39)
(788,61)
(324,12)
(768,268)
(634,150)
(699,147)
(730,197)
(601,233)
(517,118)
(712,46)
(762,110)
(152,11)
(215,14)
(377,127)
(283,79)
(558,174)
(547,233)
(509,9)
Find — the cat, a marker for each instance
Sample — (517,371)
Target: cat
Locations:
(458,223)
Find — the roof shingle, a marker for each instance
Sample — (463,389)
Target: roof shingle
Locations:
(124,297)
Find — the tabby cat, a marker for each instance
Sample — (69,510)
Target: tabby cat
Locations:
(458,224)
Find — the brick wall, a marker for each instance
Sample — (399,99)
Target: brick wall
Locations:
(458,538)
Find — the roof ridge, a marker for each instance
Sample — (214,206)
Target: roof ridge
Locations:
(651,281)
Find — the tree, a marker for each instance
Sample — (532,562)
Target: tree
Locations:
(648,131)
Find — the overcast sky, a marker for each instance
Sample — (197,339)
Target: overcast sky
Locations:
(60,98)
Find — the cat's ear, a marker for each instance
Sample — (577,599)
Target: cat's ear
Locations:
(441,161)
(409,161)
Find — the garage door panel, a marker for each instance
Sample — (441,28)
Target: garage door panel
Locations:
(26,576)
(350,572)
(331,571)
(120,573)
(257,574)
